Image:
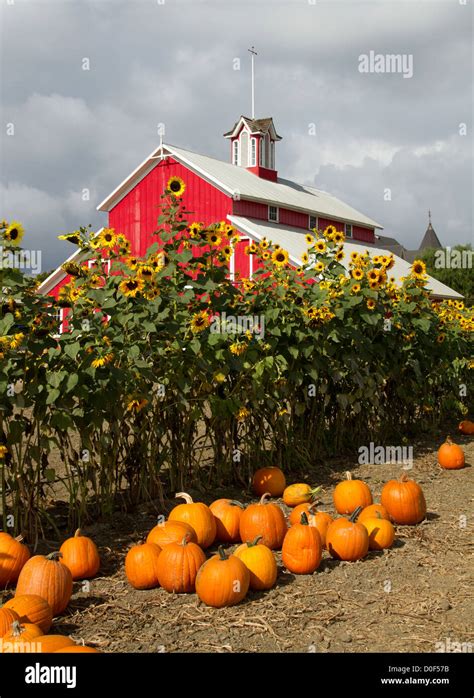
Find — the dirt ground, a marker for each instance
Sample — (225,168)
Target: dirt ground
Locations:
(405,599)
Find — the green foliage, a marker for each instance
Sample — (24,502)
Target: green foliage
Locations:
(454,267)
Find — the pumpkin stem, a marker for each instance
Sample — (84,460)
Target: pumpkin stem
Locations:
(404,478)
(348,475)
(77,533)
(54,556)
(17,628)
(185,540)
(185,496)
(355,514)
(19,538)
(304,519)
(263,499)
(448,440)
(235,503)
(222,553)
(251,543)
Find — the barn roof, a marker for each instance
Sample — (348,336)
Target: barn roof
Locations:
(294,241)
(238,182)
(255,126)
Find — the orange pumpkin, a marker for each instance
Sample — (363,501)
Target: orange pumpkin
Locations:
(318,519)
(178,566)
(80,554)
(466,427)
(371,511)
(300,493)
(302,548)
(227,513)
(141,565)
(222,580)
(7,618)
(78,649)
(350,494)
(270,480)
(22,632)
(404,500)
(347,540)
(171,532)
(381,532)
(260,562)
(264,519)
(46,576)
(53,643)
(451,456)
(197,515)
(32,608)
(13,556)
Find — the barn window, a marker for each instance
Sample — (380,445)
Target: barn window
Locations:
(91,263)
(253,152)
(348,230)
(272,155)
(312,222)
(235,152)
(273,214)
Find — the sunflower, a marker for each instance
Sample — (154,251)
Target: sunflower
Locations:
(390,263)
(145,272)
(238,348)
(136,405)
(71,237)
(248,284)
(418,269)
(73,269)
(280,258)
(229,229)
(264,244)
(242,414)
(329,231)
(370,303)
(339,255)
(3,452)
(376,259)
(338,237)
(319,267)
(124,244)
(227,251)
(373,275)
(355,288)
(175,186)
(108,238)
(152,292)
(132,263)
(320,246)
(194,229)
(441,337)
(75,293)
(305,258)
(102,361)
(214,239)
(357,274)
(16,340)
(200,321)
(131,287)
(354,256)
(309,239)
(95,243)
(14,233)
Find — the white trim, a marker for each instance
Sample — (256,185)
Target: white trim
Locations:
(236,160)
(252,153)
(232,266)
(91,262)
(272,154)
(250,266)
(273,220)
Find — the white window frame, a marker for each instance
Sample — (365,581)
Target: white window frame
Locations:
(92,262)
(236,152)
(277,219)
(272,155)
(252,151)
(59,316)
(315,218)
(347,227)
(262,153)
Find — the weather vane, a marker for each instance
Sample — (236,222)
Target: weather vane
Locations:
(253,53)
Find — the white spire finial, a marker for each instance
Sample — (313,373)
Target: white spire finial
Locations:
(253,53)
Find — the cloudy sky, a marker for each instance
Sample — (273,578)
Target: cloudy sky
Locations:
(173,62)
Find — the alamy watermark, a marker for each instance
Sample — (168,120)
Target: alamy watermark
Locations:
(453,259)
(450,645)
(379,455)
(372,62)
(21,259)
(238,324)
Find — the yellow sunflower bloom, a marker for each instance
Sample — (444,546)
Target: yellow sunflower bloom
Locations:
(132,263)
(14,233)
(3,452)
(329,231)
(17,340)
(355,288)
(280,258)
(418,269)
(108,238)
(74,237)
(305,258)
(145,272)
(131,287)
(319,267)
(194,229)
(200,322)
(370,303)
(357,274)
(176,186)
(309,239)
(242,414)
(214,239)
(238,348)
(320,246)
(266,255)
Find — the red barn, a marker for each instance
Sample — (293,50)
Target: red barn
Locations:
(247,192)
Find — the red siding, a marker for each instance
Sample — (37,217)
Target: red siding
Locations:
(137,213)
(250,209)
(365,234)
(241,260)
(324,222)
(293,218)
